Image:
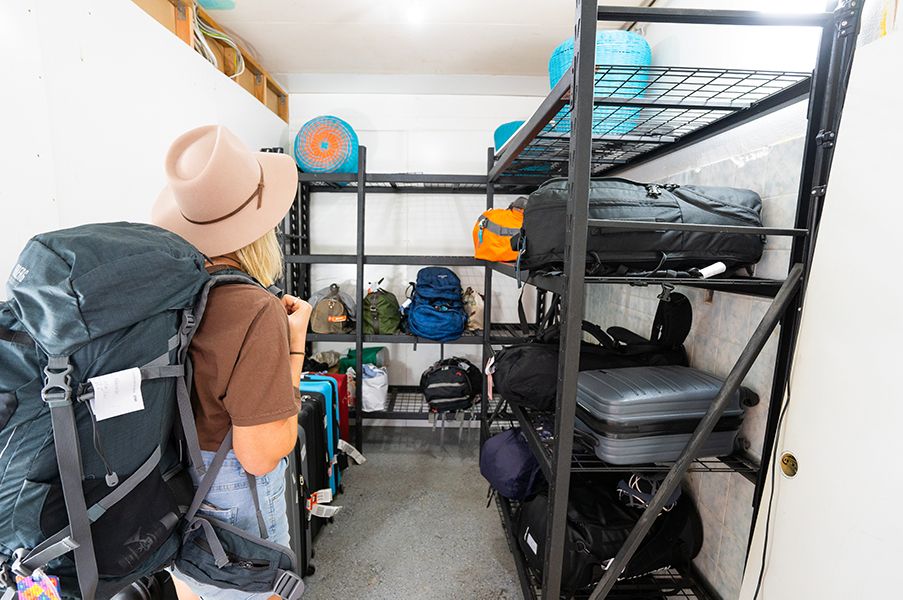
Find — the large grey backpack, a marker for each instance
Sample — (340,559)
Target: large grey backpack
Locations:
(96,489)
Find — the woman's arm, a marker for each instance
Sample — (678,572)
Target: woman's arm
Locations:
(259,448)
(299,313)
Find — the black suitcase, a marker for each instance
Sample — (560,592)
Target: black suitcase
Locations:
(297,493)
(312,418)
(643,415)
(619,251)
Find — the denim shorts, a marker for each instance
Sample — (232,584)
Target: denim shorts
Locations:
(230,501)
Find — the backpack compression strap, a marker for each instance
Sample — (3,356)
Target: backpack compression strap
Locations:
(191,319)
(57,394)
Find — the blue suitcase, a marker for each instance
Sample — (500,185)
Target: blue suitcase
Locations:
(327,387)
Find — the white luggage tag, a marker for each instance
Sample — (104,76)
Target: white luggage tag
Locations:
(116,394)
(352,452)
(324,512)
(316,504)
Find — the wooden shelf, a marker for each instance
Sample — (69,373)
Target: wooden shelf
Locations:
(177,16)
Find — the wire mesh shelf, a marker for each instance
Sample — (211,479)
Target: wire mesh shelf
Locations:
(641,108)
(413,183)
(539,428)
(407,402)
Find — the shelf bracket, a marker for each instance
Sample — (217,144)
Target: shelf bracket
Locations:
(845,19)
(825,138)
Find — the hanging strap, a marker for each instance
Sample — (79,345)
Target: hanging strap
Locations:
(207,480)
(220,558)
(252,486)
(57,394)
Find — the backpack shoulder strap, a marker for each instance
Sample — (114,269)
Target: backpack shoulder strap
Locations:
(673,320)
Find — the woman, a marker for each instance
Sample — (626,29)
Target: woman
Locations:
(249,349)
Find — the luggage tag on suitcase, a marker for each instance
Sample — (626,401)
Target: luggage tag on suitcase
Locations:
(352,452)
(38,586)
(316,504)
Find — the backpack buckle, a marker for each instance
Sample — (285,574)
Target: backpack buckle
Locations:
(288,586)
(17,567)
(57,390)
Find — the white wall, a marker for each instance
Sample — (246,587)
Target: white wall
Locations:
(417,133)
(28,194)
(105,89)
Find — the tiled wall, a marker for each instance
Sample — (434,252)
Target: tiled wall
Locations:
(721,328)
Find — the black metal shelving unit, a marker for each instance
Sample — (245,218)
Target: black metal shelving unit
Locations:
(603,120)
(298,258)
(648,112)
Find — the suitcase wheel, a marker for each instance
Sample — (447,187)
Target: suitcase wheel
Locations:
(341,488)
(310,570)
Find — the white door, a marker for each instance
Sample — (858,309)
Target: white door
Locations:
(837,526)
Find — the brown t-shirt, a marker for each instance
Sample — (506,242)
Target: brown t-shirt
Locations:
(240,355)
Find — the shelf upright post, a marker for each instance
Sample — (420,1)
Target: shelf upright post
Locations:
(289,229)
(829,85)
(359,321)
(579,170)
(302,274)
(487,314)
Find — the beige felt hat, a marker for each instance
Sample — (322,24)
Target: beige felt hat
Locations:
(221,196)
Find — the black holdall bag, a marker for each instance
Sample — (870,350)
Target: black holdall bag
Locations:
(527,373)
(451,384)
(626,251)
(598,523)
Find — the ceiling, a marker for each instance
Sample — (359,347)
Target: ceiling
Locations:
(413,37)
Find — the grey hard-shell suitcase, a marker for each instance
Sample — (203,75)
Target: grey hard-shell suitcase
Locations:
(641,415)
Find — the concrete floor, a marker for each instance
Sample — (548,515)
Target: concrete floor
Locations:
(414,525)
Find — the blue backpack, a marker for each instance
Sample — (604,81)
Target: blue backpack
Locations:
(436,311)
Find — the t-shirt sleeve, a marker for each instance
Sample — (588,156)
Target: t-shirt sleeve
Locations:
(260,389)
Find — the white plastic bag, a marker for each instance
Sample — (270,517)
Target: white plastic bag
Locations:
(375,388)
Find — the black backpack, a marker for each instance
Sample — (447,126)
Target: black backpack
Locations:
(527,373)
(598,523)
(451,384)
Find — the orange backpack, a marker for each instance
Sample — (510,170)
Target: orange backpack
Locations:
(493,232)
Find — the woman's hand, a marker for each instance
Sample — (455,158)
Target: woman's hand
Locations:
(298,318)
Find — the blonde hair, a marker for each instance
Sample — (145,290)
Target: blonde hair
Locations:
(262,258)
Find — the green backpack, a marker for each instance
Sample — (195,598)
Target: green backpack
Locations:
(381,313)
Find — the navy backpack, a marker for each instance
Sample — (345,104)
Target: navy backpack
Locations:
(509,466)
(436,311)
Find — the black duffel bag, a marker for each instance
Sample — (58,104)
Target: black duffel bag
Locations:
(598,524)
(623,251)
(526,374)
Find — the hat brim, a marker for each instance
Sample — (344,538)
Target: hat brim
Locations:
(245,226)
